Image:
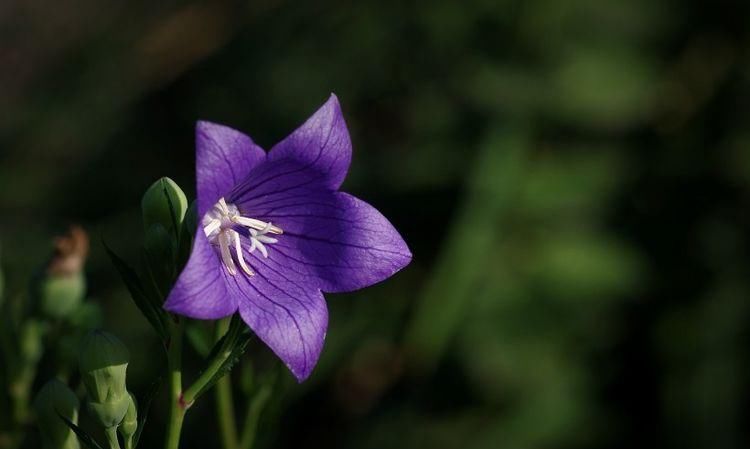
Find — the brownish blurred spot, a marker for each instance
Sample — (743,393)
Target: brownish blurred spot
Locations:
(177,42)
(70,252)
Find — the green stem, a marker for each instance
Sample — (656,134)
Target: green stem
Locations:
(224,403)
(254,408)
(213,367)
(177,404)
(181,400)
(111,434)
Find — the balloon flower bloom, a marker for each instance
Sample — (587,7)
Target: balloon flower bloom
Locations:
(275,232)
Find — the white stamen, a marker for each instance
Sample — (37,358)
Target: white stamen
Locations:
(226,256)
(257,224)
(223,206)
(220,226)
(211,227)
(238,250)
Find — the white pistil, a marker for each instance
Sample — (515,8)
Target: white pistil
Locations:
(219,225)
(257,239)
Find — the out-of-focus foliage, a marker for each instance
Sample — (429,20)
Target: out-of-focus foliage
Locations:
(572,176)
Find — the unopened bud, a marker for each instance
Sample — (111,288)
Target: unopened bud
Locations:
(61,287)
(129,423)
(163,199)
(160,252)
(103,362)
(59,296)
(55,399)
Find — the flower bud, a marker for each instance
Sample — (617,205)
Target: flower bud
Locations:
(53,399)
(59,296)
(60,289)
(160,253)
(156,209)
(129,423)
(103,362)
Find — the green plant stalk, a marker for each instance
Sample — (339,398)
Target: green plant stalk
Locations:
(254,408)
(213,367)
(177,405)
(181,400)
(111,434)
(224,404)
(20,393)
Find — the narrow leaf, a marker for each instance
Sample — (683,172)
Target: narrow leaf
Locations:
(145,406)
(84,437)
(154,314)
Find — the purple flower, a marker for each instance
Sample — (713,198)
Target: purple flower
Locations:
(275,232)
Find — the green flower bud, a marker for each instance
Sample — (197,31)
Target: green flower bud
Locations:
(60,288)
(53,399)
(129,424)
(160,252)
(60,296)
(103,362)
(156,209)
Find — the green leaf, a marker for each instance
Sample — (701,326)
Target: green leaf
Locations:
(153,313)
(84,437)
(145,406)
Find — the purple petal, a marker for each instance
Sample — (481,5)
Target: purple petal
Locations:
(322,144)
(224,157)
(200,290)
(288,314)
(331,239)
(275,179)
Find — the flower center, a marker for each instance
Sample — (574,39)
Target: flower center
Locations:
(222,225)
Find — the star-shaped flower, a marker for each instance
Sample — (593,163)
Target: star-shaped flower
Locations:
(275,231)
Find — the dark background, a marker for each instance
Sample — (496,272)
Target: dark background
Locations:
(572,176)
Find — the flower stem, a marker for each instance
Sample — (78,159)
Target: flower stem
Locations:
(111,434)
(181,400)
(213,367)
(255,406)
(224,403)
(177,406)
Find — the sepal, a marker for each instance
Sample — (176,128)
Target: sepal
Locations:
(103,363)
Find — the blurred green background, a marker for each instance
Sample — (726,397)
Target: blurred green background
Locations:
(572,176)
